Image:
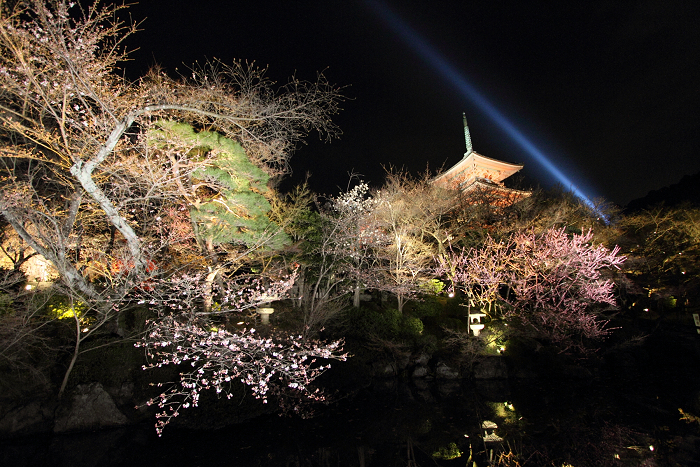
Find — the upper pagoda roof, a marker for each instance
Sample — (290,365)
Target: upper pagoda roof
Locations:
(474,164)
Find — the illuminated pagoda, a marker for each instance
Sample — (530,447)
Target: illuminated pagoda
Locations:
(480,178)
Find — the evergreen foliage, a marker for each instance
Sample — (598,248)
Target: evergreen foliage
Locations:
(232,205)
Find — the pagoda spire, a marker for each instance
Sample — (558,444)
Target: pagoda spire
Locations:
(467,137)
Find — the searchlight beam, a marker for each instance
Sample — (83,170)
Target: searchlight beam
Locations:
(450,73)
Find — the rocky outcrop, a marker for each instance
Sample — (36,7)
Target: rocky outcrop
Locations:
(90,407)
(383,369)
(87,407)
(420,372)
(444,371)
(420,366)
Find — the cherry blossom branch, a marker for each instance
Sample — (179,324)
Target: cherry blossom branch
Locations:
(214,360)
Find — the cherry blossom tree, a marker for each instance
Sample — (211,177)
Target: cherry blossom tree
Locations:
(549,283)
(210,357)
(358,237)
(335,240)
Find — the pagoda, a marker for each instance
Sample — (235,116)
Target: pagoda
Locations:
(480,178)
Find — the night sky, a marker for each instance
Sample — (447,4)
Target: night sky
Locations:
(608,91)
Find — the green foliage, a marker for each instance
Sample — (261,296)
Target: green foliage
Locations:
(364,322)
(410,326)
(432,286)
(428,307)
(234,207)
(295,212)
(448,452)
(386,324)
(61,307)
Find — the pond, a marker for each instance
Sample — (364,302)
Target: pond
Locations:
(623,412)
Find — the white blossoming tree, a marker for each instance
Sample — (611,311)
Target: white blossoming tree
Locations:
(209,357)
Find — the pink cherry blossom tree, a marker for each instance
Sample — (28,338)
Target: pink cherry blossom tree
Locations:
(550,284)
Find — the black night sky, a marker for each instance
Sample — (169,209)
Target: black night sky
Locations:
(608,91)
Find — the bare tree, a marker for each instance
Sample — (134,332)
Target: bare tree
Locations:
(664,247)
(413,214)
(81,184)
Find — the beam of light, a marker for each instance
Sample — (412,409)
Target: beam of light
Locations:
(451,74)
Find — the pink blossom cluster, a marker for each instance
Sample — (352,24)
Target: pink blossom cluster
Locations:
(182,292)
(548,282)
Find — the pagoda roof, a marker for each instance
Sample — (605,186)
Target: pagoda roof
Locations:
(499,170)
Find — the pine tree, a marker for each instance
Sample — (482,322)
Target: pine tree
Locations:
(230,204)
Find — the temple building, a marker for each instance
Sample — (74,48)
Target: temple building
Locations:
(480,178)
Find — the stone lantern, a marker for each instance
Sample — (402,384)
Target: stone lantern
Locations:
(265,313)
(490,435)
(491,439)
(266,310)
(475,323)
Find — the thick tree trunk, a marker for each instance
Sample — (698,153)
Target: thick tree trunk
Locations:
(209,289)
(401,301)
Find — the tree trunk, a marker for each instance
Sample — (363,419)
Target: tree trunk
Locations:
(76,352)
(209,289)
(68,272)
(356,296)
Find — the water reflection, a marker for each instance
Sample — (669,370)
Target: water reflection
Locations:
(384,425)
(391,423)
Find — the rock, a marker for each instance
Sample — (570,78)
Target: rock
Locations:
(33,418)
(443,371)
(122,394)
(90,407)
(420,372)
(490,368)
(384,369)
(421,359)
(403,362)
